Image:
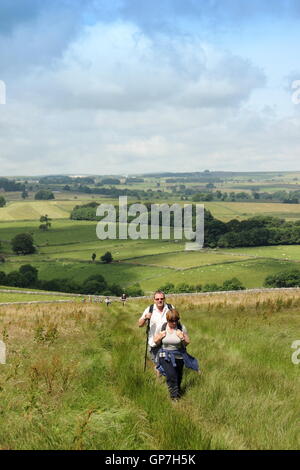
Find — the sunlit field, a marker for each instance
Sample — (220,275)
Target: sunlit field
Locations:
(74,376)
(61,208)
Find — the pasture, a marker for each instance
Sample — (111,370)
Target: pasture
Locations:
(74,377)
(65,252)
(61,208)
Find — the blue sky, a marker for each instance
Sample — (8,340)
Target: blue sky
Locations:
(131,86)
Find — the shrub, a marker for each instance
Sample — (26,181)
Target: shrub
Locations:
(107,257)
(29,273)
(167,288)
(233,284)
(135,290)
(289,278)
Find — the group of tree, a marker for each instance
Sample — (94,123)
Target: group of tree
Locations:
(115,192)
(229,284)
(63,179)
(106,258)
(286,197)
(27,276)
(255,231)
(10,185)
(288,278)
(46,223)
(44,195)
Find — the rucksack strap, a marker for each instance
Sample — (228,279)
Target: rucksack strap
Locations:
(152,306)
(164,326)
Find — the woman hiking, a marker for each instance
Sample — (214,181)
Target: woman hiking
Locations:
(172,355)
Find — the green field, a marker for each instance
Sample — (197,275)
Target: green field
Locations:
(65,252)
(74,377)
(225,211)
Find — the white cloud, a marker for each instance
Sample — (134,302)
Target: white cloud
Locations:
(117,67)
(118,101)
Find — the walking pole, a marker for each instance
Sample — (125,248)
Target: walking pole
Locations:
(147,336)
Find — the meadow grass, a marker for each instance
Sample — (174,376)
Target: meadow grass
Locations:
(20,297)
(189,259)
(74,377)
(288,252)
(252,273)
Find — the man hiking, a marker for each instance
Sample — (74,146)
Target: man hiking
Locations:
(156,316)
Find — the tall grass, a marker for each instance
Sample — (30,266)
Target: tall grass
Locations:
(74,377)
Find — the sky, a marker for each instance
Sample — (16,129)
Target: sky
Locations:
(139,86)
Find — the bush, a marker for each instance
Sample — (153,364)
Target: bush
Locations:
(107,257)
(95,284)
(135,290)
(284,279)
(233,284)
(115,289)
(167,288)
(211,288)
(30,274)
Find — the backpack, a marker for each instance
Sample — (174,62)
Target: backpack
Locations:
(152,306)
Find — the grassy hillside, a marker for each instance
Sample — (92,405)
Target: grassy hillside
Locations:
(74,377)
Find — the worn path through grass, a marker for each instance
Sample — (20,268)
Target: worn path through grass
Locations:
(74,377)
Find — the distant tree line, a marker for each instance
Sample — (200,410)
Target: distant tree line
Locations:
(255,231)
(10,185)
(230,284)
(116,192)
(27,276)
(285,197)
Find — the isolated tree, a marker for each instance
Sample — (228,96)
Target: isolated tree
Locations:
(24,194)
(2,201)
(46,222)
(23,244)
(107,257)
(93,257)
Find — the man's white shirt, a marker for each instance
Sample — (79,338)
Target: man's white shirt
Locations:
(157,320)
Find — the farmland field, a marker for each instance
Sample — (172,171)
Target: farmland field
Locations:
(66,249)
(65,252)
(225,211)
(17,297)
(74,377)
